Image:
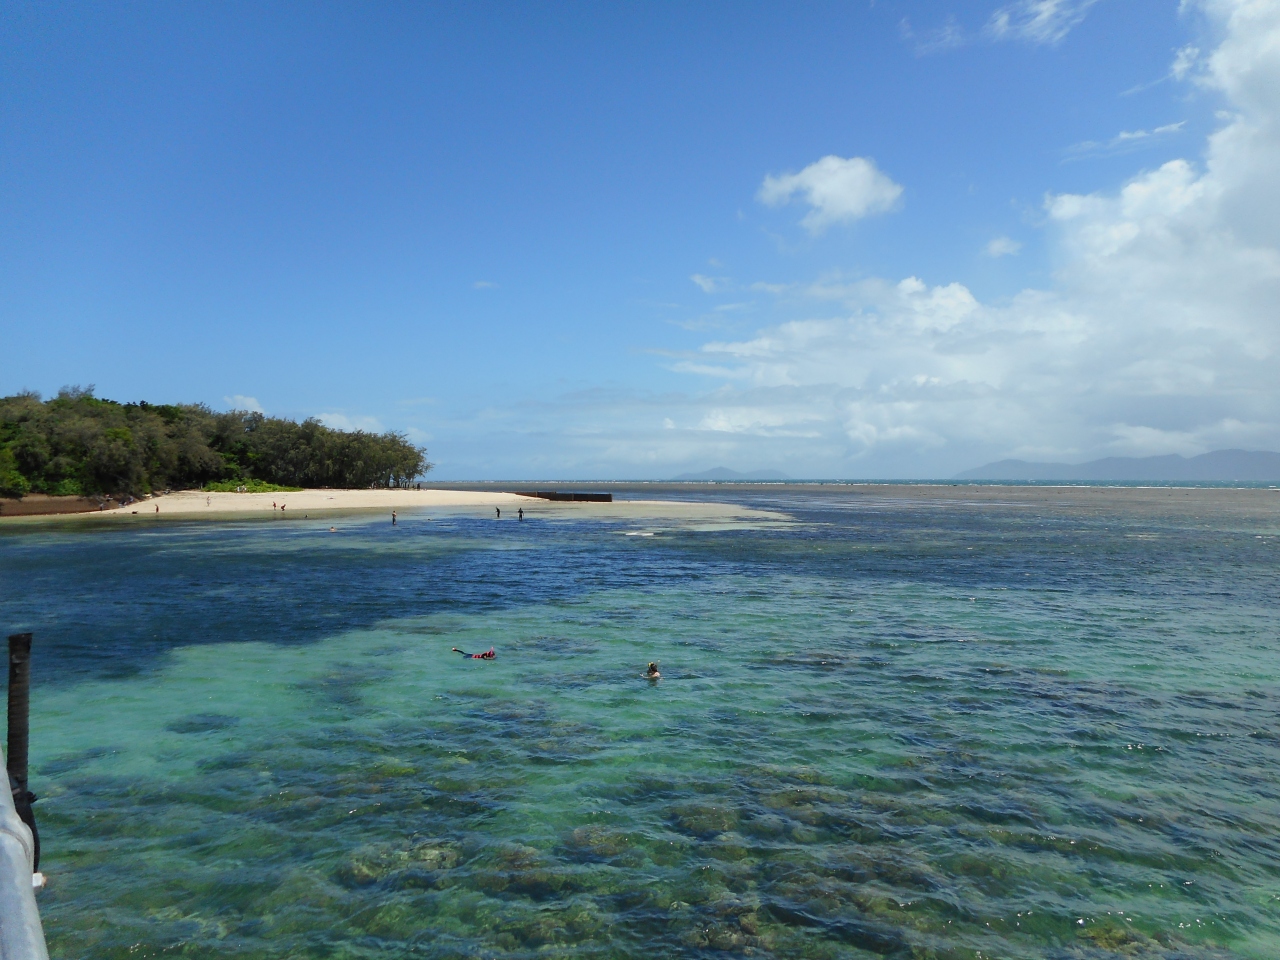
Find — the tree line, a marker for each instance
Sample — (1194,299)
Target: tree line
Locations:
(79,444)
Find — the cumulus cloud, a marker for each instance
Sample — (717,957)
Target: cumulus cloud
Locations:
(1003,247)
(837,190)
(1158,334)
(240,402)
(1038,21)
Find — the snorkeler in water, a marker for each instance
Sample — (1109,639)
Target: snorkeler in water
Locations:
(489,654)
(652,672)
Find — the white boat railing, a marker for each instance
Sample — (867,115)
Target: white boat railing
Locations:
(21,935)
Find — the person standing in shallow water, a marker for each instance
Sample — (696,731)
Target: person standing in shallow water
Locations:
(393,518)
(498,511)
(652,672)
(519,512)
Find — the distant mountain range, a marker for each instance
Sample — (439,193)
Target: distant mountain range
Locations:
(724,473)
(1221,466)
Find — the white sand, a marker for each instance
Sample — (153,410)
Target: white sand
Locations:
(196,504)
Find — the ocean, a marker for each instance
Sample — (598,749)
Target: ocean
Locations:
(906,722)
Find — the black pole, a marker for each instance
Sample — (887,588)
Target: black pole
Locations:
(19,731)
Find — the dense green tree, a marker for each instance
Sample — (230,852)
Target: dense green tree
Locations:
(77,443)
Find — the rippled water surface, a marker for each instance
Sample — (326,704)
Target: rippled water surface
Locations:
(891,727)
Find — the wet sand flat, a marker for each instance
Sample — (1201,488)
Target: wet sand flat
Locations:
(197,505)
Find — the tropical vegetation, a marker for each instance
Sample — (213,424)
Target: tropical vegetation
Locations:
(77,443)
(241,485)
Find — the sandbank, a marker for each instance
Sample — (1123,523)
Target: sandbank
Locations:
(199,505)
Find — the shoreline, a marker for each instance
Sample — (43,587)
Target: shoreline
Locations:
(201,505)
(714,503)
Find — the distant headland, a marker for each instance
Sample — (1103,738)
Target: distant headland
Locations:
(1220,466)
(724,473)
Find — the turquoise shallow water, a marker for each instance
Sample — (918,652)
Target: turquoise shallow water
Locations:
(890,728)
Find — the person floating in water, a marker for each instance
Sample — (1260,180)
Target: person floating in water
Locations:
(652,672)
(489,654)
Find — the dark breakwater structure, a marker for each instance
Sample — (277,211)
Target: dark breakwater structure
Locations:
(572,497)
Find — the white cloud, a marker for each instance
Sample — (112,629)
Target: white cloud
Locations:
(1003,247)
(239,402)
(1184,62)
(1038,21)
(1124,141)
(341,421)
(1032,21)
(949,36)
(1159,332)
(484,285)
(774,288)
(709,284)
(763,421)
(837,191)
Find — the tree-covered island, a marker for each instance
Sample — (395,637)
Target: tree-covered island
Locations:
(79,444)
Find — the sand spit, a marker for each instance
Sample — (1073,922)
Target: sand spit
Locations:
(198,505)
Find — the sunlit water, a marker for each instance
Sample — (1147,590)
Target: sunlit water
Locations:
(886,729)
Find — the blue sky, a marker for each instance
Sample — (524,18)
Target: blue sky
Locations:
(602,240)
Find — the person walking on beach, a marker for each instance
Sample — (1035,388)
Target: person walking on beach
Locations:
(157,508)
(208,501)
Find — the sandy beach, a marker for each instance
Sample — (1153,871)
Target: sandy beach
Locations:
(199,505)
